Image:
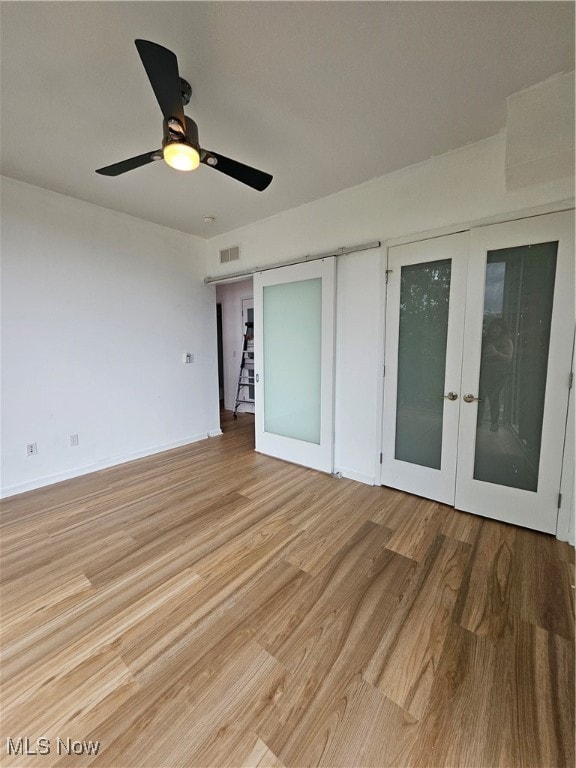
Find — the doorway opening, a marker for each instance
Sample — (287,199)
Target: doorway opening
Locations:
(235,308)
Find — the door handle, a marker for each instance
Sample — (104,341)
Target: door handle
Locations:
(470,399)
(450,396)
(257,378)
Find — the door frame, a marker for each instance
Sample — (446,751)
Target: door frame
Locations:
(565,528)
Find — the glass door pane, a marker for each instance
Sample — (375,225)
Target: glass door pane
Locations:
(292,354)
(424,305)
(518,300)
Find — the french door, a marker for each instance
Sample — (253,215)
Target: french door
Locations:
(424,335)
(294,362)
(479,329)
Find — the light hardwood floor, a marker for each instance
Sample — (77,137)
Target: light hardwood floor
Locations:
(210,606)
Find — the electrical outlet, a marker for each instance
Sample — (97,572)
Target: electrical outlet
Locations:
(31,449)
(188,357)
(73,440)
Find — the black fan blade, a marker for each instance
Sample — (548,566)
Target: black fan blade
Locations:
(244,173)
(130,164)
(161,66)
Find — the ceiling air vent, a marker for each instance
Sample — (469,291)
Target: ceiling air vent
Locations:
(230,254)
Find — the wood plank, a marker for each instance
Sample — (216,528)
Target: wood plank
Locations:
(343,515)
(404,665)
(541,591)
(63,644)
(260,757)
(539,733)
(373,732)
(326,653)
(414,536)
(460,525)
(80,699)
(484,600)
(462,701)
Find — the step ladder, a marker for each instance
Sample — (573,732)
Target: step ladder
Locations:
(246,376)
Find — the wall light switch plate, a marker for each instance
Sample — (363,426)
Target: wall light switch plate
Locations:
(188,357)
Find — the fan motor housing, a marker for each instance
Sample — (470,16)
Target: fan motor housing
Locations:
(190,136)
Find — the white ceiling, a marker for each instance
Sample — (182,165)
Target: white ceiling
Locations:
(323,95)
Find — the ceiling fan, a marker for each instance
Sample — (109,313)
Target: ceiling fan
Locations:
(180,145)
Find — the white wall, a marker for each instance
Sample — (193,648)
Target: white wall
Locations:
(462,186)
(358,365)
(98,309)
(230,295)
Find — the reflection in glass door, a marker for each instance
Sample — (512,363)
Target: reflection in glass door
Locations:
(518,302)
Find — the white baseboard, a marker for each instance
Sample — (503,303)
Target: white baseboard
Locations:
(360,477)
(214,433)
(568,537)
(41,482)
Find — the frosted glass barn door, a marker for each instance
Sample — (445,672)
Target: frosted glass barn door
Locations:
(294,354)
(424,329)
(515,370)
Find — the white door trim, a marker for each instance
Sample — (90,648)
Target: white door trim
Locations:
(565,528)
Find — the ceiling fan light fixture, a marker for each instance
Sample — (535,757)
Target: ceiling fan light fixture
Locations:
(180,143)
(181,156)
